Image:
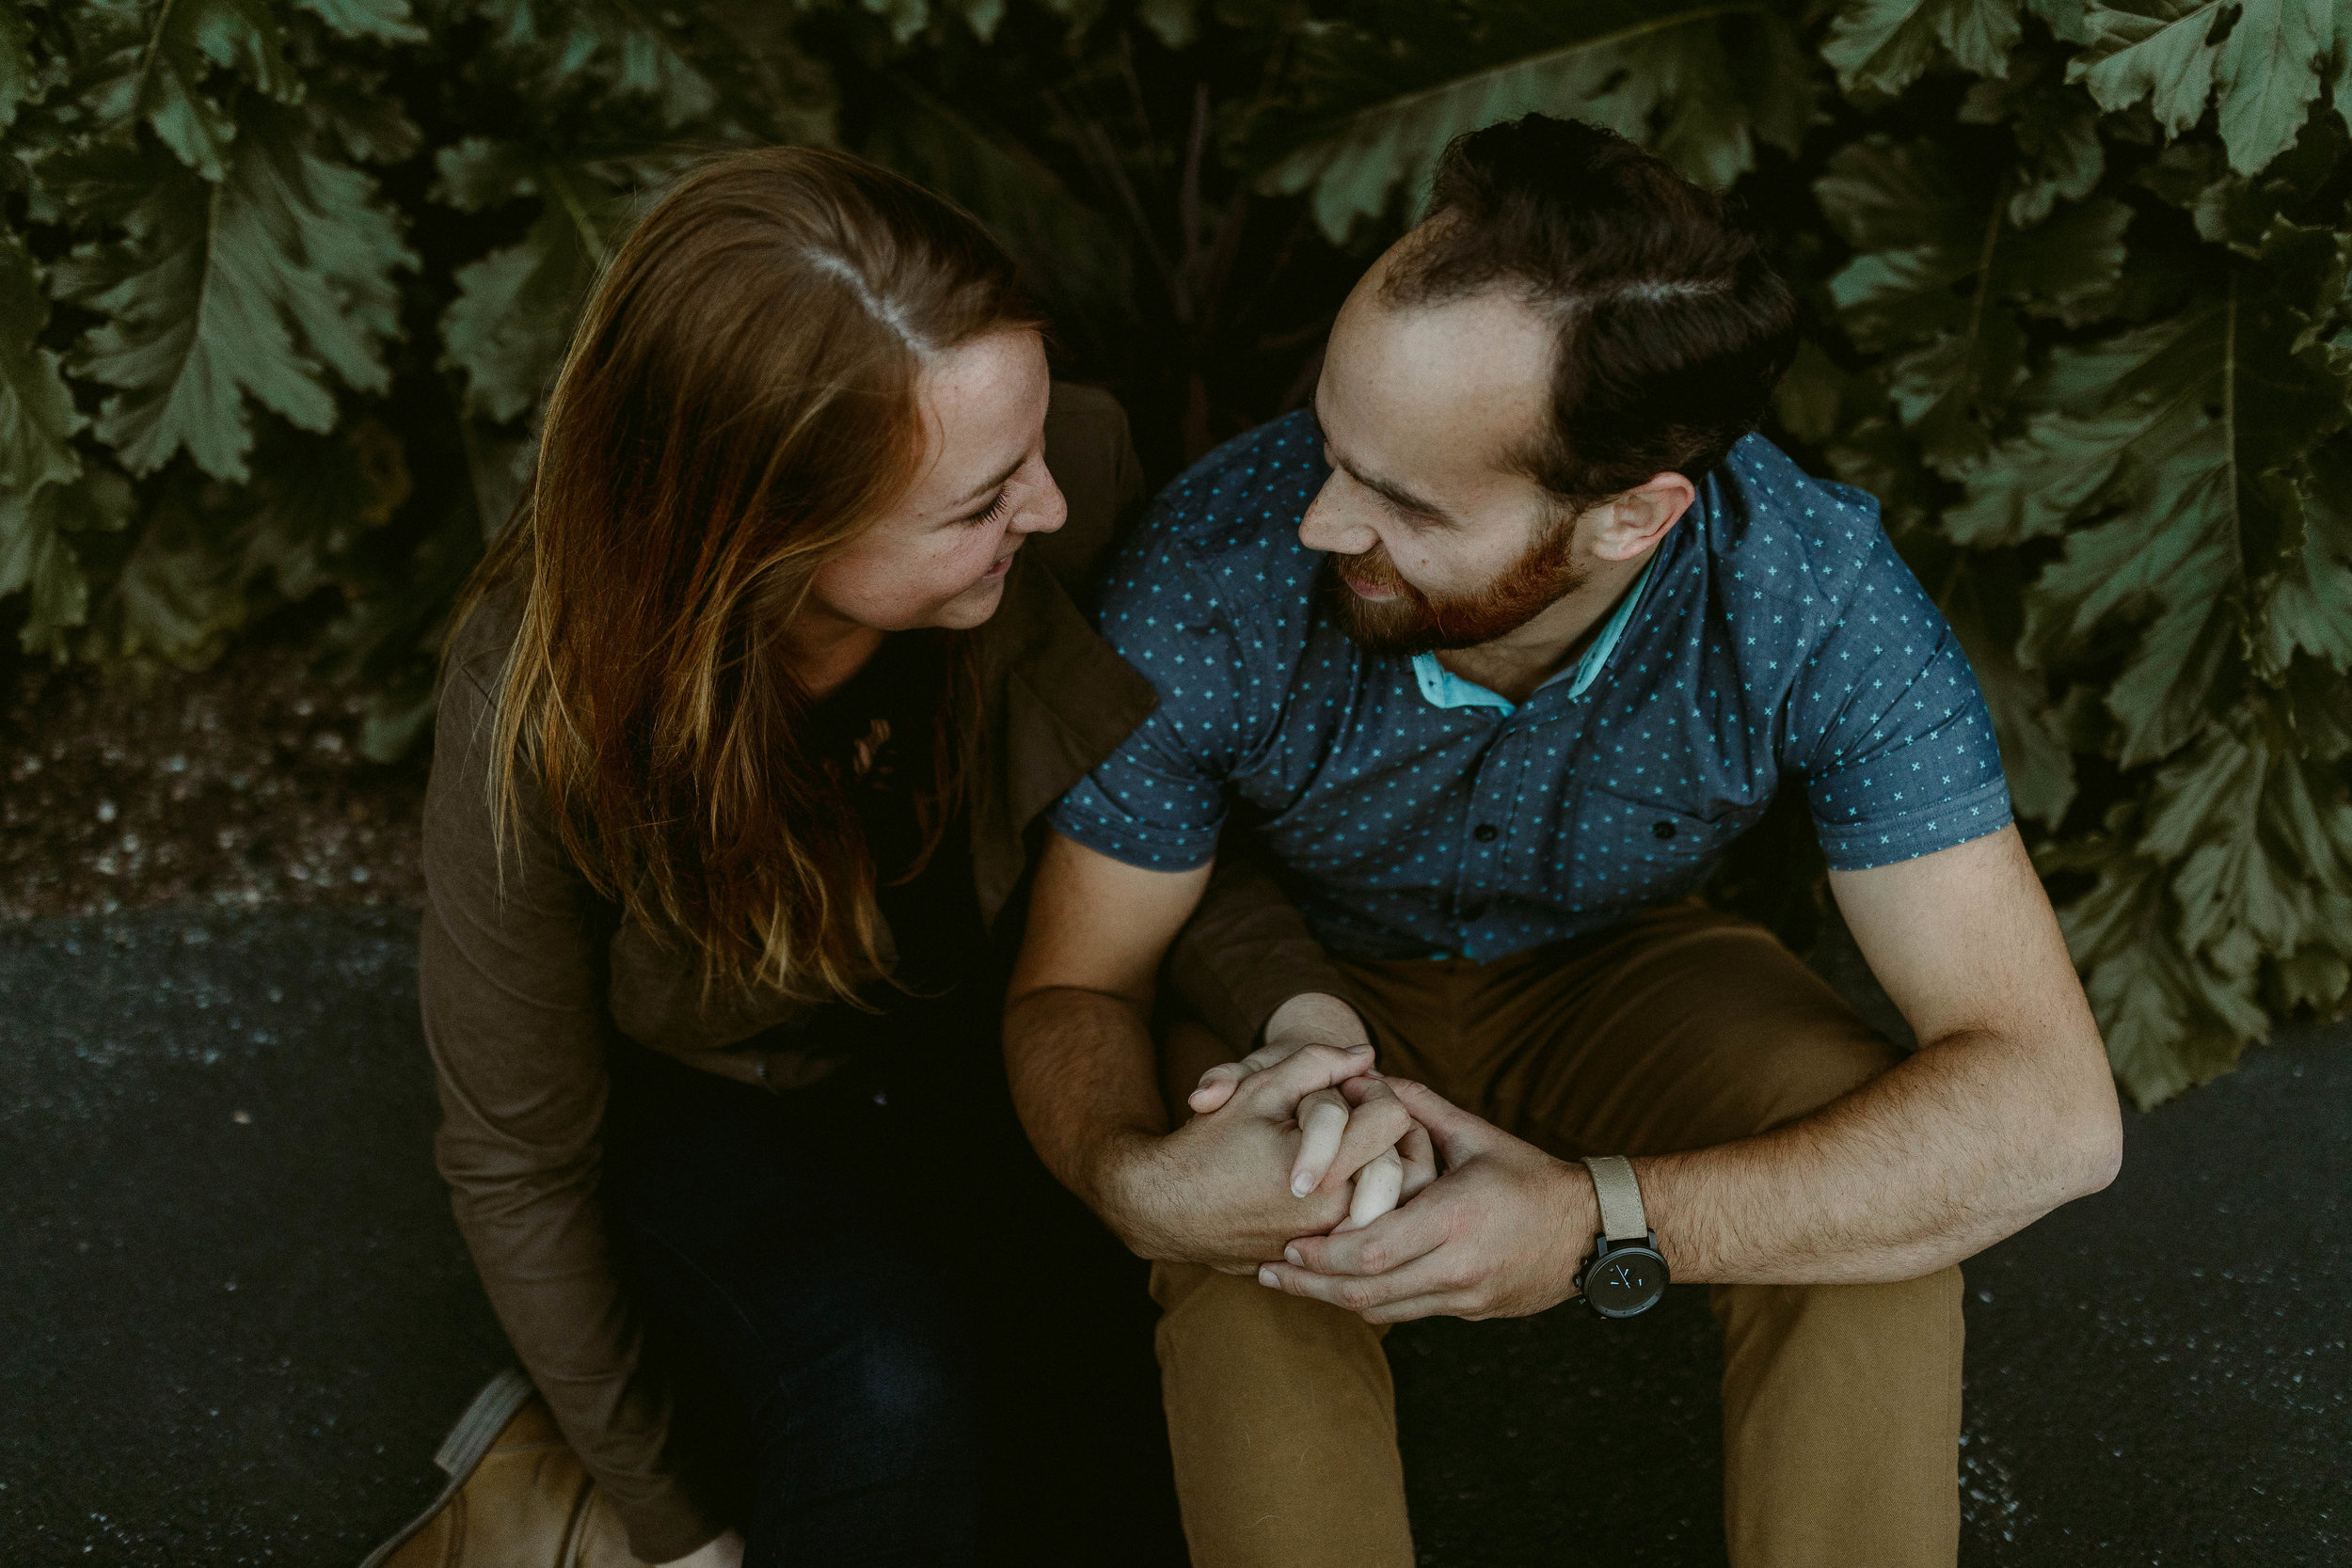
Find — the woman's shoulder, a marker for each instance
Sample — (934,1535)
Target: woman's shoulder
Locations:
(476,656)
(1092,455)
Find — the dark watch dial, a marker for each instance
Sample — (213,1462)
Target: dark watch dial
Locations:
(1624,1282)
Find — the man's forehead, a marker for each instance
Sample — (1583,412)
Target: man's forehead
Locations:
(1465,380)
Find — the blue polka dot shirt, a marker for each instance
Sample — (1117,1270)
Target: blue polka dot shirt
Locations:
(1775,637)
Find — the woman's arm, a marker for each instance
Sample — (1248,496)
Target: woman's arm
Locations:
(512,984)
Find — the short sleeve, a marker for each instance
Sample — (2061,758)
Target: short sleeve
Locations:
(1159,800)
(1891,731)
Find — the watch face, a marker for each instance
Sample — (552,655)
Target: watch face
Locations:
(1625,1282)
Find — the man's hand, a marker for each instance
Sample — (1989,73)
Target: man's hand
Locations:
(1498,1235)
(1218,1190)
(1337,1143)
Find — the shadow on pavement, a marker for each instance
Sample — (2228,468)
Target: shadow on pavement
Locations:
(236,1317)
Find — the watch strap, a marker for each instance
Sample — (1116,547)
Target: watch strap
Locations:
(1620,1196)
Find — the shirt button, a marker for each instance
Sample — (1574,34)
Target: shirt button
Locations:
(1662,829)
(1484,832)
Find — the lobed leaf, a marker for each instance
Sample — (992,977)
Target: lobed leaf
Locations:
(1941,279)
(505,330)
(37,557)
(37,420)
(386,21)
(1885,45)
(176,598)
(223,291)
(1392,92)
(154,69)
(21,77)
(2261,60)
(630,47)
(2198,427)
(2306,603)
(1981,603)
(2170,1019)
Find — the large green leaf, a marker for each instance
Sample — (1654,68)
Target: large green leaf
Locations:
(386,21)
(2257,830)
(2306,602)
(1941,279)
(2171,1019)
(2060,155)
(1982,603)
(219,291)
(1885,45)
(507,329)
(175,599)
(631,48)
(21,75)
(38,419)
(2199,428)
(152,60)
(38,557)
(1386,91)
(2261,60)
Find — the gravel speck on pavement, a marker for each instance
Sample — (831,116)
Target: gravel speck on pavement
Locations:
(236,1317)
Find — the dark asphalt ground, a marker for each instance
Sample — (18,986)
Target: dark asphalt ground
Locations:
(235,1317)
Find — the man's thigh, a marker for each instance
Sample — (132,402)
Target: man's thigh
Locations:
(1683,1028)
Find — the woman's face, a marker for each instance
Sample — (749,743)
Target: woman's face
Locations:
(938,558)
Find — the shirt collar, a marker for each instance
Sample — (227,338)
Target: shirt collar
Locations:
(1441,688)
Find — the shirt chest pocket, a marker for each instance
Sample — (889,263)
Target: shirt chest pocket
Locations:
(1630,854)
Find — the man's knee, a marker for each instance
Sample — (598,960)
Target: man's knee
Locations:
(1855,1344)
(1227,1325)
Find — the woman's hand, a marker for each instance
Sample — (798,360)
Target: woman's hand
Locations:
(725,1550)
(1348,1131)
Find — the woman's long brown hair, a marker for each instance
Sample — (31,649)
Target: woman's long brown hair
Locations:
(740,399)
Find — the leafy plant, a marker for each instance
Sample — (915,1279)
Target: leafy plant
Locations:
(282,282)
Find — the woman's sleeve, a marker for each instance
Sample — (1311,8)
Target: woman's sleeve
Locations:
(513,990)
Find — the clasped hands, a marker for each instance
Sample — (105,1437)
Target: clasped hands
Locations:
(1304,1165)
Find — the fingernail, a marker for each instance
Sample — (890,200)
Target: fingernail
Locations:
(1267,1277)
(1301,1184)
(1292,1253)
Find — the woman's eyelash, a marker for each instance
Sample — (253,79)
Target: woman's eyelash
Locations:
(995,509)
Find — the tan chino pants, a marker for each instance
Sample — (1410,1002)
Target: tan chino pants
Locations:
(1681,1029)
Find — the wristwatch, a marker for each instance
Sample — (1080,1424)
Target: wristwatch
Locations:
(1626,1274)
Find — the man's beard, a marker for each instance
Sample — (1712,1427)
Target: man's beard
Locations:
(1418,623)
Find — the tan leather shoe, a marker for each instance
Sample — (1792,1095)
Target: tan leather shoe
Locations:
(517,1496)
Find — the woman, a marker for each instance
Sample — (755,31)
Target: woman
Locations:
(742,723)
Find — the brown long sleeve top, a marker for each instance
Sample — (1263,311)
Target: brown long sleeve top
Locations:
(526,975)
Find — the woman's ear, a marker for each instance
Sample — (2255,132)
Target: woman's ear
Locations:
(1637,520)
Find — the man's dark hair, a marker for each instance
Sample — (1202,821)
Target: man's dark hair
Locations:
(1673,327)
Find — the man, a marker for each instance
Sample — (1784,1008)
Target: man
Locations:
(1495,653)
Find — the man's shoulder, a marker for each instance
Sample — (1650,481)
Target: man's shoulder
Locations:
(1231,519)
(1781,535)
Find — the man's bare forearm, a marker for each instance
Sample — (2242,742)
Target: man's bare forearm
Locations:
(1970,1141)
(1082,1069)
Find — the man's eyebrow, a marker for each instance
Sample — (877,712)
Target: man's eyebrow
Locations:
(1393,493)
(1011,469)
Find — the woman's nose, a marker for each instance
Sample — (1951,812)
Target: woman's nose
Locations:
(1051,511)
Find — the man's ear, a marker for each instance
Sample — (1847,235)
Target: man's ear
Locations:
(1634,521)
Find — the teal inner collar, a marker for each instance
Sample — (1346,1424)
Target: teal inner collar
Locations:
(1441,688)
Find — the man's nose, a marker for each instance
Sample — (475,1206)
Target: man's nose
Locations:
(1329,526)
